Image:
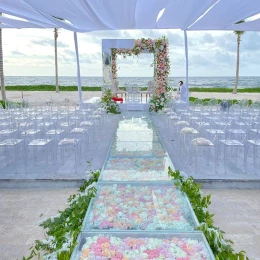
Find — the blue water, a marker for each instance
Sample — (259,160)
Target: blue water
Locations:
(203,82)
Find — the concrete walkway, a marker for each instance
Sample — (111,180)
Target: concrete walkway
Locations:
(20,211)
(237,212)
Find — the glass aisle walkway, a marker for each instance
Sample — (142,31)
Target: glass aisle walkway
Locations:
(138,213)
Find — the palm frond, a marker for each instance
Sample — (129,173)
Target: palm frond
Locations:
(239,33)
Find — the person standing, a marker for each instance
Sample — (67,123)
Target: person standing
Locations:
(184,92)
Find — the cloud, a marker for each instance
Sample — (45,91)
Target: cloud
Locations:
(69,57)
(49,42)
(207,38)
(210,53)
(224,57)
(199,61)
(18,53)
(250,41)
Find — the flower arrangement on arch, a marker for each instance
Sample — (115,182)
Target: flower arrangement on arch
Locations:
(109,104)
(158,102)
(160,48)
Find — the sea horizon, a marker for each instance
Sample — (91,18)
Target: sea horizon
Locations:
(93,81)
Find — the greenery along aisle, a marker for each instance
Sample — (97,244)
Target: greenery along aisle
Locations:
(160,49)
(62,230)
(107,103)
(221,247)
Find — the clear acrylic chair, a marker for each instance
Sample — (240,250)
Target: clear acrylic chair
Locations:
(255,144)
(10,133)
(82,134)
(202,146)
(16,145)
(171,120)
(230,148)
(186,135)
(177,126)
(67,144)
(29,132)
(89,126)
(46,145)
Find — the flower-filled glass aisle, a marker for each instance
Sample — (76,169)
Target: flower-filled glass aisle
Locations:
(160,49)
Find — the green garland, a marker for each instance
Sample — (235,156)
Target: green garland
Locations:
(62,230)
(221,247)
(110,105)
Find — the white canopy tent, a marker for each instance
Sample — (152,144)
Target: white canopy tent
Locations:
(92,15)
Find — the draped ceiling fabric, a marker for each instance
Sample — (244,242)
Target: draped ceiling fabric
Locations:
(92,15)
(226,13)
(12,23)
(247,26)
(20,9)
(181,14)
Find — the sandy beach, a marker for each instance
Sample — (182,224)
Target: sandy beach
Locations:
(38,97)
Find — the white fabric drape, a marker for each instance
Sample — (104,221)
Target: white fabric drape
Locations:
(146,14)
(91,15)
(246,26)
(181,14)
(22,10)
(18,23)
(78,69)
(227,13)
(78,13)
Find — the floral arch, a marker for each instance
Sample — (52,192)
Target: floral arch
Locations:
(160,49)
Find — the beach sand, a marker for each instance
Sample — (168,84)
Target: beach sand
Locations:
(238,96)
(38,97)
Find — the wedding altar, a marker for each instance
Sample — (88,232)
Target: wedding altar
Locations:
(159,48)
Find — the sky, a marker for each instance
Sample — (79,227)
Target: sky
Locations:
(30,52)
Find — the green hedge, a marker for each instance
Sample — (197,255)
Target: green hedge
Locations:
(242,90)
(49,88)
(98,88)
(192,99)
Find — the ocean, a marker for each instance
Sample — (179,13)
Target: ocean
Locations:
(202,82)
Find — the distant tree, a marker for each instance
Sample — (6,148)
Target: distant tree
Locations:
(3,92)
(238,34)
(56,60)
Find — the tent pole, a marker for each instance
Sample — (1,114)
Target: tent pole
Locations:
(187,59)
(78,69)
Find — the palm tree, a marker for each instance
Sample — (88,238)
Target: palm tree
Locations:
(3,93)
(238,34)
(56,59)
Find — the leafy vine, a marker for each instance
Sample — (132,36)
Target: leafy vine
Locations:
(107,103)
(221,247)
(62,230)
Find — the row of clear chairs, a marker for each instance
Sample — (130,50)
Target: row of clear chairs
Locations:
(53,130)
(217,134)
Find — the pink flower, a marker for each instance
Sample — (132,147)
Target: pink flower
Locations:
(102,240)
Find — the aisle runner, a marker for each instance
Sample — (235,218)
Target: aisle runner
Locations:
(138,210)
